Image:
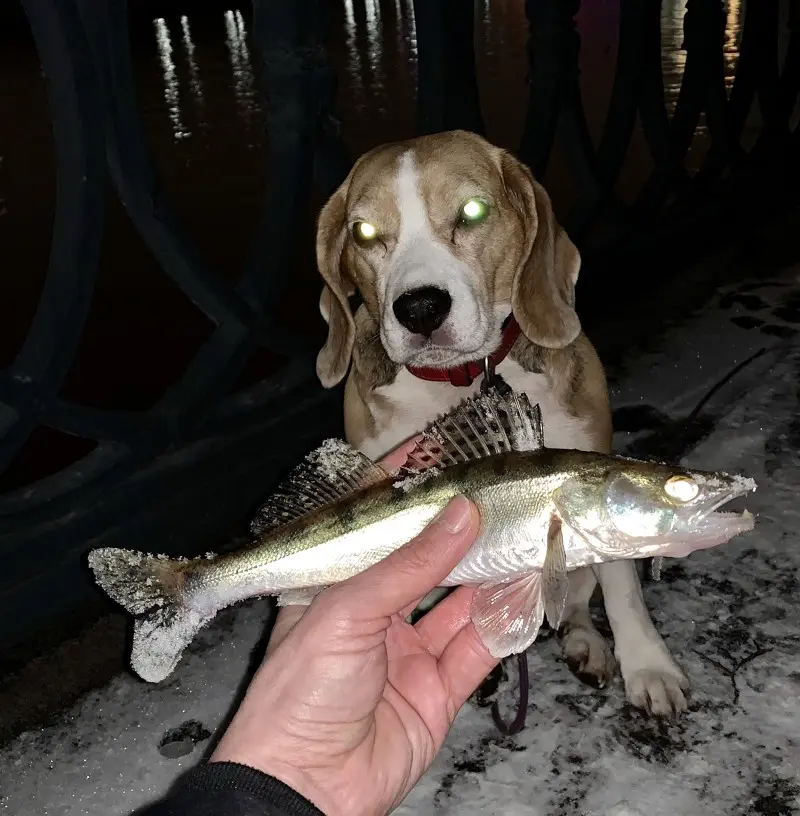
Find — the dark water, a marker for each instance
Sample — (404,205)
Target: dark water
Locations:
(194,73)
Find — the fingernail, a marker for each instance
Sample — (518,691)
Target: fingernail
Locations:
(455,517)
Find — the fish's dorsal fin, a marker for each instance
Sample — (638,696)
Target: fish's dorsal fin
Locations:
(480,426)
(332,472)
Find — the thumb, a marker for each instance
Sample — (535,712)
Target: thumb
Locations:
(413,570)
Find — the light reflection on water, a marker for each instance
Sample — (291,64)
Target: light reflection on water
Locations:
(375,45)
(408,29)
(354,68)
(194,74)
(373,63)
(171,87)
(244,82)
(674,57)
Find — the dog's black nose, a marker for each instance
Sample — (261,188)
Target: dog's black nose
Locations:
(422,310)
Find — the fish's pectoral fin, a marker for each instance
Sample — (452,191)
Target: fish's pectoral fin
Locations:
(478,427)
(508,614)
(332,472)
(555,581)
(299,597)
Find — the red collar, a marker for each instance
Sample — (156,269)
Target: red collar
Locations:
(467,372)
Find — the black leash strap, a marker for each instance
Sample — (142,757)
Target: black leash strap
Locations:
(518,723)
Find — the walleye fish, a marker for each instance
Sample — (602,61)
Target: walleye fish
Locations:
(543,513)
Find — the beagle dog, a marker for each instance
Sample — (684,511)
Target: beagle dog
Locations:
(457,256)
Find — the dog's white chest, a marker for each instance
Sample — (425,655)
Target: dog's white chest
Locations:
(403,409)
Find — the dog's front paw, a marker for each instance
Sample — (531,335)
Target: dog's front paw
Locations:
(659,691)
(588,655)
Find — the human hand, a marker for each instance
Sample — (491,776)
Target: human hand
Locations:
(352,706)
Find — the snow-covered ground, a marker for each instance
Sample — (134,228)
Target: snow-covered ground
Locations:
(729,615)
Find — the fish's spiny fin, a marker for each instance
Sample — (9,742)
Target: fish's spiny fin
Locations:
(332,472)
(480,426)
(151,588)
(508,614)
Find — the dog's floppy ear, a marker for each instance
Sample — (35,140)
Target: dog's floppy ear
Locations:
(543,290)
(333,360)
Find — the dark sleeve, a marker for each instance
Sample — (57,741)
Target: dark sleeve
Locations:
(230,789)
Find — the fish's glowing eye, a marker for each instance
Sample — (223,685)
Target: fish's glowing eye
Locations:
(364,232)
(473,211)
(681,488)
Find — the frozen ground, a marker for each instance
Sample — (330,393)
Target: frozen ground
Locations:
(729,615)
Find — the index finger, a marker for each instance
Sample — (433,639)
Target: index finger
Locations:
(464,665)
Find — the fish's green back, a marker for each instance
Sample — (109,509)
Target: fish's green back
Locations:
(382,501)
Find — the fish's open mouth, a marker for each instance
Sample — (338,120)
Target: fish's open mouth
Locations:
(733,501)
(718,524)
(745,518)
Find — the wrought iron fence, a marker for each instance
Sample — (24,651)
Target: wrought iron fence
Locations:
(179,476)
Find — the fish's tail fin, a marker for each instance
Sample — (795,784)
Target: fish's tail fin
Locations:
(151,588)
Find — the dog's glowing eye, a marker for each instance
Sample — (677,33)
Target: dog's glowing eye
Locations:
(681,488)
(473,211)
(364,232)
